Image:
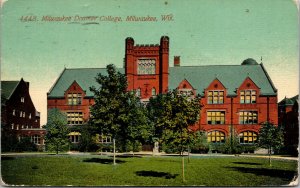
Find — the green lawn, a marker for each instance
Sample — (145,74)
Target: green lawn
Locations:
(96,170)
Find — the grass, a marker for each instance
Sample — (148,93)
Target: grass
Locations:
(95,170)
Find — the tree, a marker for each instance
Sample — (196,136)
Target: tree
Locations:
(116,111)
(172,114)
(56,137)
(135,129)
(270,137)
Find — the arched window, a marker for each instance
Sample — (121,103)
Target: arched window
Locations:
(216,137)
(248,137)
(153,91)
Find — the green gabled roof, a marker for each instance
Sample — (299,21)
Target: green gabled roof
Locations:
(231,76)
(8,87)
(85,77)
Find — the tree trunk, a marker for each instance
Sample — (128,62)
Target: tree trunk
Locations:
(188,154)
(182,159)
(114,141)
(270,150)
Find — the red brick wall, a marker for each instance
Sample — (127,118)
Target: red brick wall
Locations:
(62,103)
(159,80)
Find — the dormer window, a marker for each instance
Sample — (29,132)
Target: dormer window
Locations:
(247,96)
(215,97)
(74,98)
(22,99)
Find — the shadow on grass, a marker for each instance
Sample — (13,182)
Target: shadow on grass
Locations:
(7,158)
(246,163)
(276,173)
(156,174)
(102,161)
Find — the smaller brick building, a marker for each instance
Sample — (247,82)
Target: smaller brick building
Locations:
(288,119)
(18,114)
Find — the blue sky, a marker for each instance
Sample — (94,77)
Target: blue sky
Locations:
(203,32)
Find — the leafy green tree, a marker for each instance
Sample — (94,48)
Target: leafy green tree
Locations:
(56,137)
(172,114)
(270,137)
(136,129)
(87,140)
(199,142)
(116,111)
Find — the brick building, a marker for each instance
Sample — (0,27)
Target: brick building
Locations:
(18,115)
(235,98)
(288,119)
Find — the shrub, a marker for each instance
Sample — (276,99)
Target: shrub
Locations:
(25,144)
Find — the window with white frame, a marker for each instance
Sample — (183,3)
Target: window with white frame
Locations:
(138,92)
(248,117)
(215,97)
(12,126)
(186,92)
(75,118)
(105,139)
(248,96)
(74,138)
(29,116)
(22,99)
(14,112)
(21,114)
(248,137)
(216,137)
(74,98)
(215,117)
(36,139)
(153,91)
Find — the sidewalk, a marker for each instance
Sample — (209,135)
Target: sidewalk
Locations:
(150,153)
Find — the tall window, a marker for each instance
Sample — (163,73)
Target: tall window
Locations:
(36,139)
(74,98)
(74,138)
(105,139)
(153,91)
(146,66)
(248,117)
(14,112)
(215,97)
(248,137)
(138,92)
(75,118)
(216,137)
(215,117)
(248,96)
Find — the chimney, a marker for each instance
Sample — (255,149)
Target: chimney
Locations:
(176,61)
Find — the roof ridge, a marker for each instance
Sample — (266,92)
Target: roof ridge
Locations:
(56,81)
(89,68)
(206,66)
(14,88)
(268,77)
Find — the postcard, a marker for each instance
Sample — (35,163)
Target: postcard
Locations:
(149,93)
